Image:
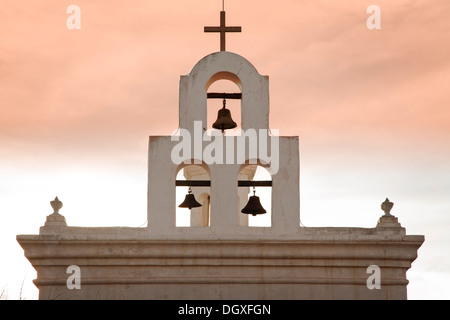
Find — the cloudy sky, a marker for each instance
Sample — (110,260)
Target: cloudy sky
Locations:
(370,107)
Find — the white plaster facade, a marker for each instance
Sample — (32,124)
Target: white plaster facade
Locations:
(220,256)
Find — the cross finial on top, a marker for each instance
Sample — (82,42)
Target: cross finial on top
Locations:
(222,29)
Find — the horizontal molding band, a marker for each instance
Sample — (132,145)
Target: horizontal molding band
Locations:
(109,251)
(184,262)
(55,240)
(223,257)
(215,281)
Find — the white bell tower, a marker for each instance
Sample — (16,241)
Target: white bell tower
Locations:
(219,256)
(225,192)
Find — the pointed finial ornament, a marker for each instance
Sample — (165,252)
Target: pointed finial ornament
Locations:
(54,221)
(56,205)
(386,206)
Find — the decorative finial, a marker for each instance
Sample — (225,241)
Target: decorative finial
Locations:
(56,205)
(386,206)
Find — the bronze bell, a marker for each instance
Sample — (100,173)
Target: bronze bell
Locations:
(253,206)
(189,201)
(224,120)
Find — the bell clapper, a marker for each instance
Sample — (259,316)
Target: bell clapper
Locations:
(224,107)
(254,194)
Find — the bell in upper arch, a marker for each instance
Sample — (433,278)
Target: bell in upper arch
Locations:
(253,206)
(224,121)
(189,201)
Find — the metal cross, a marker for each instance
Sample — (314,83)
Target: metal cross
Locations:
(223,29)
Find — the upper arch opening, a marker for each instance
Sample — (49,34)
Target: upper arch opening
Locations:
(224,75)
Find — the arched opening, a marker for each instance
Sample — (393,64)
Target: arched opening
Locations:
(195,217)
(257,173)
(224,87)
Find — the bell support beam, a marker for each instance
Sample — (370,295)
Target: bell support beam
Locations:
(229,96)
(207,183)
(246,183)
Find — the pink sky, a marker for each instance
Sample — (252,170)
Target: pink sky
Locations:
(371,107)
